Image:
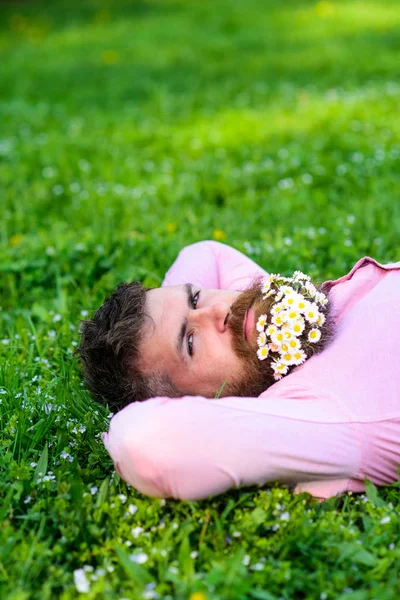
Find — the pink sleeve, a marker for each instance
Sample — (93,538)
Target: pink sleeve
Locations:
(189,448)
(212,265)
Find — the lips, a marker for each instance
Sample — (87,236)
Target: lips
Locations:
(248,325)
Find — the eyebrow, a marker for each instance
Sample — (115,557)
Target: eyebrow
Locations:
(182,331)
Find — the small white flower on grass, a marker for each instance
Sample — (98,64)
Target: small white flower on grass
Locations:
(5,342)
(67,456)
(285,516)
(136,531)
(81,582)
(132,509)
(257,567)
(236,534)
(385,520)
(3,391)
(84,313)
(122,497)
(56,318)
(139,558)
(27,499)
(94,490)
(194,554)
(246,560)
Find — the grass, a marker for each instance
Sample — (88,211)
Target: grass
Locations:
(128,130)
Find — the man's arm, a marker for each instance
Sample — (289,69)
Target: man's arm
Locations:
(192,447)
(212,265)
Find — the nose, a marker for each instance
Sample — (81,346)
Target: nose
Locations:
(215,314)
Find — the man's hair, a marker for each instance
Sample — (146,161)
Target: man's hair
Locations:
(110,351)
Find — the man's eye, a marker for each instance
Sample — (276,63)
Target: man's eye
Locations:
(195,299)
(190,344)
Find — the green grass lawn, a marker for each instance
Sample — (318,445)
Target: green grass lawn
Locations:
(129,129)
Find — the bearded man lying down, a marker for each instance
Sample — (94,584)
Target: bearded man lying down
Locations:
(307,377)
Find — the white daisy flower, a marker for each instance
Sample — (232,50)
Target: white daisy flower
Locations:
(321,319)
(298,327)
(271,329)
(301,276)
(312,313)
(279,319)
(322,299)
(266,286)
(262,339)
(300,304)
(299,356)
(279,296)
(261,323)
(278,338)
(280,368)
(269,294)
(277,308)
(263,352)
(288,333)
(290,301)
(284,348)
(311,289)
(288,358)
(292,315)
(288,290)
(293,344)
(314,335)
(274,347)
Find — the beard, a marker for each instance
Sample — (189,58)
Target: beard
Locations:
(257,375)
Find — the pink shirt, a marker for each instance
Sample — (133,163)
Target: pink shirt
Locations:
(325,427)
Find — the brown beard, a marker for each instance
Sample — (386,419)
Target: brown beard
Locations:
(259,375)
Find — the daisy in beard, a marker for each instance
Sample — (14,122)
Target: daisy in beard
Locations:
(277,338)
(299,356)
(261,323)
(321,320)
(300,304)
(262,339)
(314,335)
(299,276)
(312,313)
(293,344)
(263,352)
(288,358)
(290,301)
(288,333)
(298,327)
(292,316)
(271,329)
(279,369)
(279,319)
(321,299)
(288,290)
(311,289)
(274,347)
(277,308)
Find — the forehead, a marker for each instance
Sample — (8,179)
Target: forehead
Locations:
(165,308)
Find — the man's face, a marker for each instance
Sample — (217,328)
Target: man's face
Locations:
(202,338)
